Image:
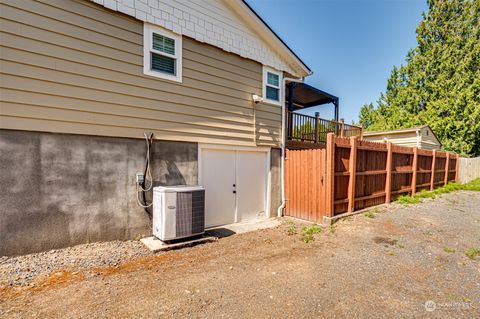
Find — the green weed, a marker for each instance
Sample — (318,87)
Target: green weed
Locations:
(473,252)
(307,238)
(292,228)
(311,230)
(448,250)
(308,232)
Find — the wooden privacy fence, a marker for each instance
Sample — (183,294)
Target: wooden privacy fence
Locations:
(351,174)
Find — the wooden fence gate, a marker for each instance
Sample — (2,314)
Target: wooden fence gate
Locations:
(351,174)
(305,184)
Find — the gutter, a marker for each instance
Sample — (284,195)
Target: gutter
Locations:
(282,164)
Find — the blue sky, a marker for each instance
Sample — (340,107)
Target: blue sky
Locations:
(350,45)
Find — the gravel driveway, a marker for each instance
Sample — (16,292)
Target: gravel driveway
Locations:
(400,262)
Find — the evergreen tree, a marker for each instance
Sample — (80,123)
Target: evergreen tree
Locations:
(440,83)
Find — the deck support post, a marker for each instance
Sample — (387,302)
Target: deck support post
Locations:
(317,115)
(291,97)
(414,168)
(432,176)
(388,179)
(336,103)
(352,170)
(330,176)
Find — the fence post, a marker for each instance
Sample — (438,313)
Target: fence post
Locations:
(432,175)
(388,180)
(352,169)
(456,168)
(317,115)
(342,127)
(446,169)
(330,176)
(414,168)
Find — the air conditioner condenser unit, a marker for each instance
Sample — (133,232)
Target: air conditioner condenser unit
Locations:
(178,211)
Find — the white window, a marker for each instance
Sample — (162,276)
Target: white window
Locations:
(162,53)
(272,86)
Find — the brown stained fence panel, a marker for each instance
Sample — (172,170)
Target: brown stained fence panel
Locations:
(440,161)
(341,179)
(424,172)
(452,169)
(370,174)
(352,174)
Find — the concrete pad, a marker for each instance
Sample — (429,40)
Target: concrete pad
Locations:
(248,226)
(155,245)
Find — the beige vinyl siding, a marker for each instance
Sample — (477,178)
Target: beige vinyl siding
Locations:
(425,141)
(429,141)
(75,67)
(403,139)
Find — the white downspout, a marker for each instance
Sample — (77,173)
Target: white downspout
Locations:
(282,164)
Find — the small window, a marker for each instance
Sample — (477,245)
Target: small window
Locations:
(162,53)
(272,81)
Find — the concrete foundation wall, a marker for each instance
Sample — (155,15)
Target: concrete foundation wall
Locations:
(275,180)
(59,190)
(468,169)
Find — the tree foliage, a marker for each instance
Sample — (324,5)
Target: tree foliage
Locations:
(440,83)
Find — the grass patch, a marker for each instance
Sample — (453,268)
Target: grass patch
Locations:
(473,185)
(408,200)
(308,232)
(473,252)
(369,214)
(448,250)
(450,187)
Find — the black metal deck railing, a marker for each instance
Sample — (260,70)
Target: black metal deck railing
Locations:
(313,129)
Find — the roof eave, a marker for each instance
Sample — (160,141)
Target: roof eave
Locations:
(270,36)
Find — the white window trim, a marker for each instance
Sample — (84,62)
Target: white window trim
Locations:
(148,30)
(267,70)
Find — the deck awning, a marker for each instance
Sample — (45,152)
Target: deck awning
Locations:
(305,96)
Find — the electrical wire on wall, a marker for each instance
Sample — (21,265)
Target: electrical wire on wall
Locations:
(147,183)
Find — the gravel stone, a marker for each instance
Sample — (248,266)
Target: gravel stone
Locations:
(22,270)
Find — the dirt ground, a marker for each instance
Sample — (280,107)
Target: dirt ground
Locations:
(400,262)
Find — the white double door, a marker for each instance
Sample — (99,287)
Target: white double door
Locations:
(235,184)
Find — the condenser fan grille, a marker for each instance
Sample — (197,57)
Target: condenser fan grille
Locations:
(190,213)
